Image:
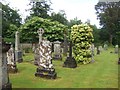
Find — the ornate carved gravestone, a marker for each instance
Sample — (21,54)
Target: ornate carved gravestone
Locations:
(57,51)
(45,66)
(18,52)
(11,60)
(70,61)
(6,85)
(37,56)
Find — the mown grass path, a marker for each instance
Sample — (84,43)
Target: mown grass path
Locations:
(103,73)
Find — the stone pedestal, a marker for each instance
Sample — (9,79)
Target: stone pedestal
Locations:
(46,73)
(70,61)
(18,56)
(6,85)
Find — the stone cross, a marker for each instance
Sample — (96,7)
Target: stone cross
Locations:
(40,32)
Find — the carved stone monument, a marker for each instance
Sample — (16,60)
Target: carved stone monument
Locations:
(6,85)
(45,66)
(36,55)
(105,46)
(70,61)
(57,51)
(12,67)
(116,49)
(18,52)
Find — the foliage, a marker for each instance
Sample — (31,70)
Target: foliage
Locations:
(109,15)
(10,21)
(40,9)
(82,38)
(60,17)
(53,30)
(74,22)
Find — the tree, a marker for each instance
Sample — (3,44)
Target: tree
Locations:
(53,30)
(108,13)
(10,20)
(74,22)
(40,9)
(60,17)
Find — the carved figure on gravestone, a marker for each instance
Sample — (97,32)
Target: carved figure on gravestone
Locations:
(10,57)
(45,54)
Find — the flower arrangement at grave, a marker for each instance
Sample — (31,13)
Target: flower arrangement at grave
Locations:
(82,39)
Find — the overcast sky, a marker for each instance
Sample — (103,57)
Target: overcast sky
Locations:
(82,9)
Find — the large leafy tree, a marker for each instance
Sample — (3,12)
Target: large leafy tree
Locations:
(53,30)
(60,17)
(10,21)
(40,9)
(108,13)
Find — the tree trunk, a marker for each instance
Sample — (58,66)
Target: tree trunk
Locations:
(111,37)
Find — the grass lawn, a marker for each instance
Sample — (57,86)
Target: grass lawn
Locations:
(103,73)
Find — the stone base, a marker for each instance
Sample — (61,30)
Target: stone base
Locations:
(70,63)
(18,56)
(119,61)
(7,86)
(46,73)
(35,63)
(57,57)
(12,70)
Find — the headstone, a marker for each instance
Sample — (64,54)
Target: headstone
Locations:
(105,46)
(18,52)
(57,51)
(12,67)
(45,66)
(36,55)
(6,85)
(98,50)
(116,49)
(70,61)
(92,48)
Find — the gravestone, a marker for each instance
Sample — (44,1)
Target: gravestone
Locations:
(12,67)
(70,61)
(57,51)
(105,46)
(98,50)
(6,85)
(36,53)
(92,48)
(45,66)
(18,52)
(116,49)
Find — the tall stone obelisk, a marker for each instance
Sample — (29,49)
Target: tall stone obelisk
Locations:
(18,52)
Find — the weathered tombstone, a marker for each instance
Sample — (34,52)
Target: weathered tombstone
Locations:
(18,52)
(116,49)
(57,51)
(12,67)
(98,50)
(6,85)
(70,61)
(92,48)
(105,46)
(45,67)
(37,56)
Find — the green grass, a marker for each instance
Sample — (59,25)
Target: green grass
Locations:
(103,73)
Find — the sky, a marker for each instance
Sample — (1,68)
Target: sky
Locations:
(82,9)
